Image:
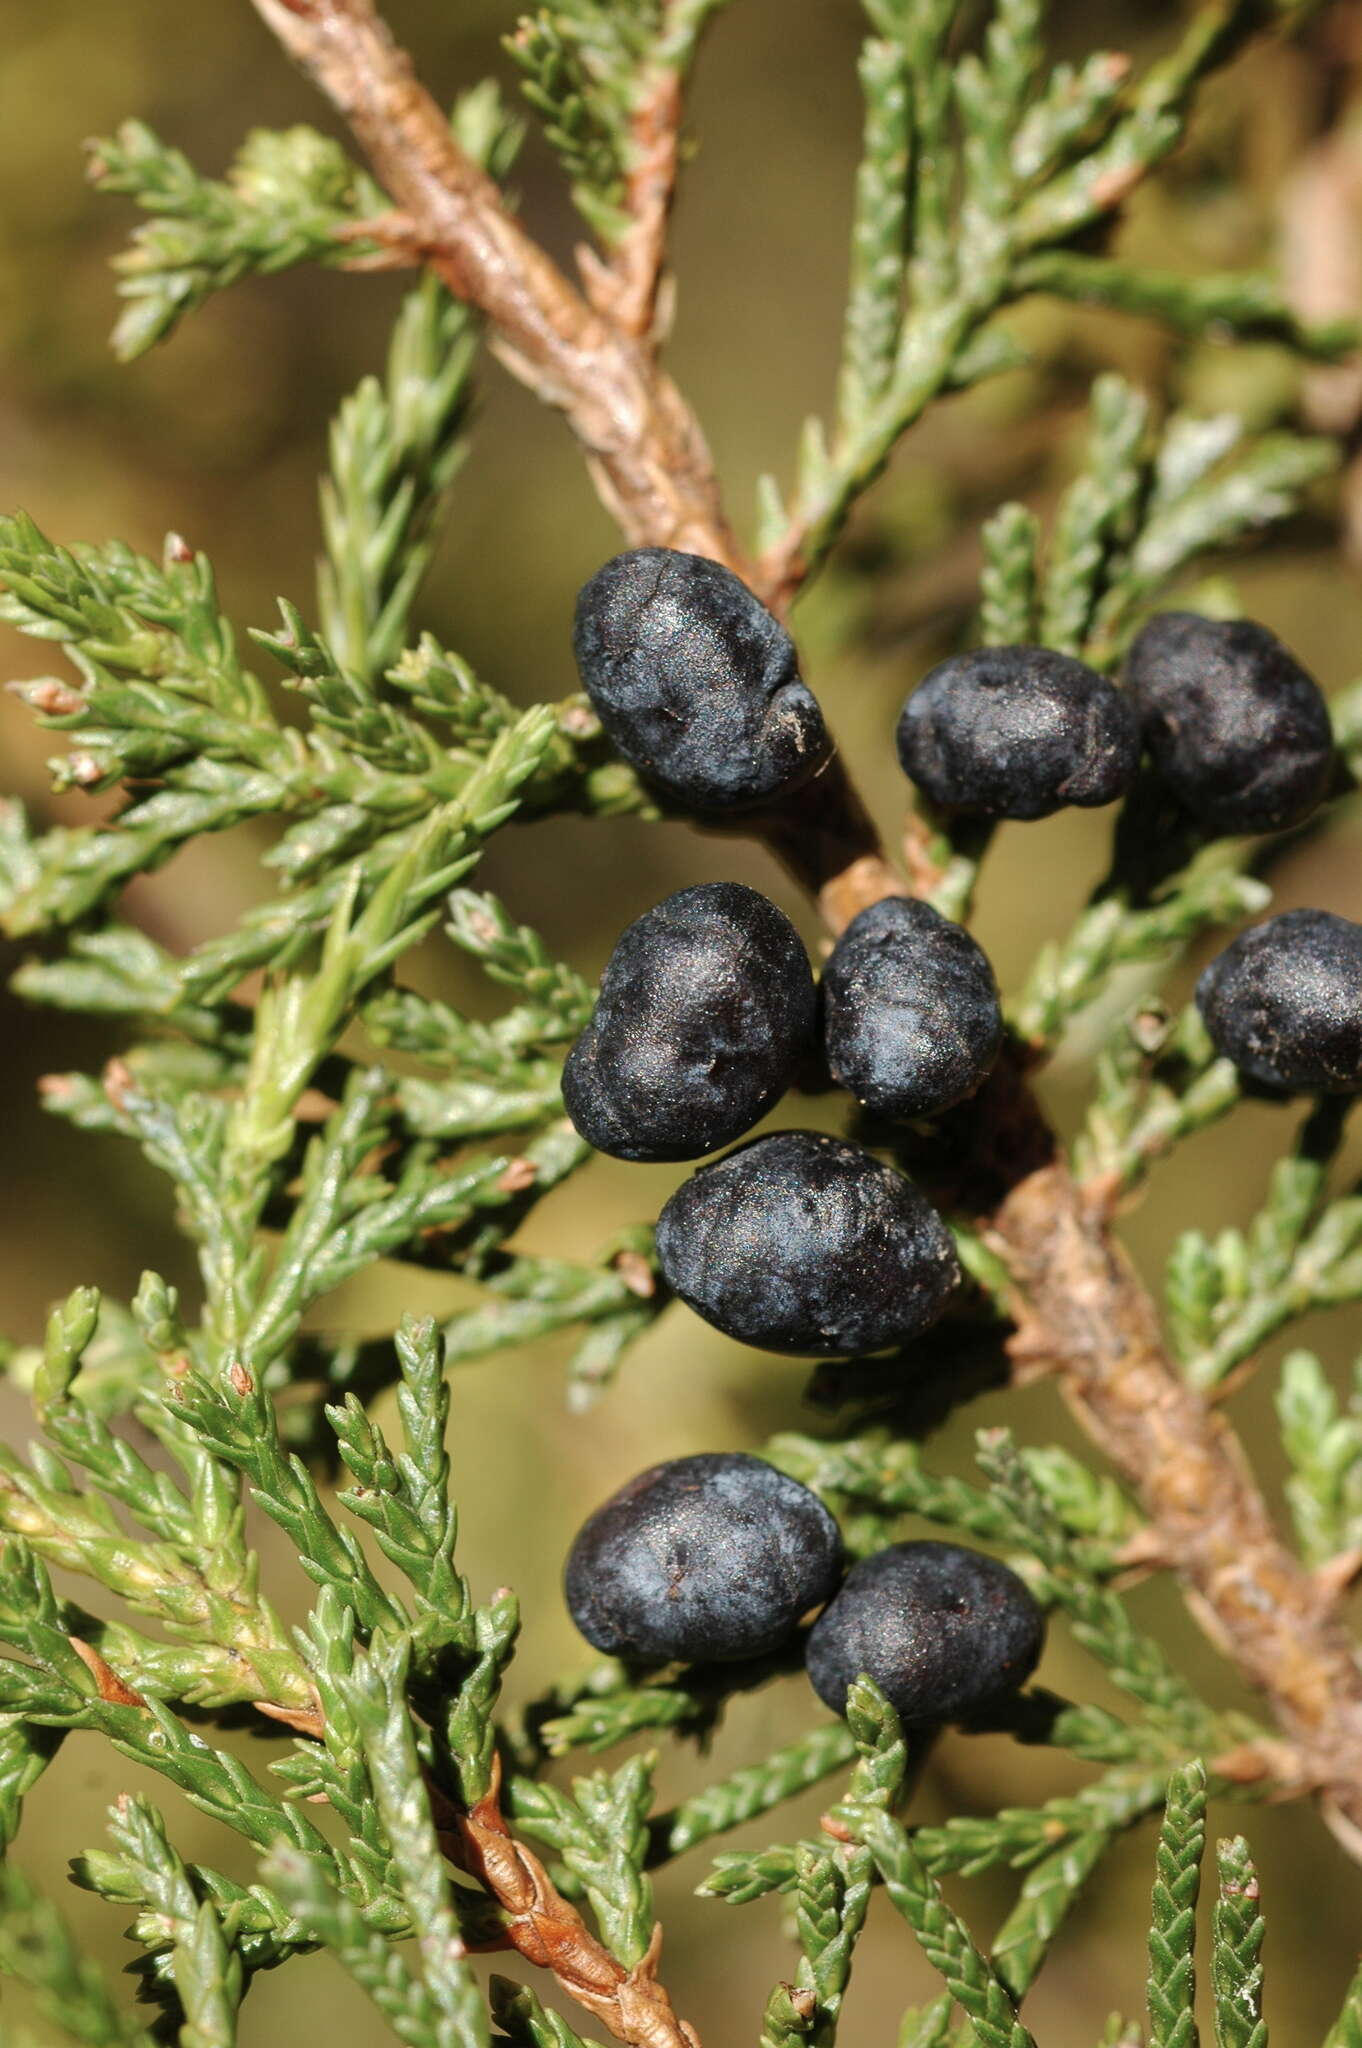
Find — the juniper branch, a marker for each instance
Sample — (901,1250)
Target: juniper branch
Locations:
(1030,160)
(36,1947)
(1346,2031)
(25,1753)
(1301,1252)
(1186,1469)
(376,1697)
(1323,1444)
(1017,1837)
(1048,1893)
(643,444)
(600,1830)
(1236,1967)
(753,1789)
(946,1942)
(1172,1934)
(522,2019)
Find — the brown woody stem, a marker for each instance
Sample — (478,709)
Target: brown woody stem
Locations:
(626,290)
(547,1930)
(644,445)
(1079,1302)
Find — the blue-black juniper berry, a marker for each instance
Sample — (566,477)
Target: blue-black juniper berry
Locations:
(706,1010)
(707,1559)
(696,683)
(1234,726)
(943,1631)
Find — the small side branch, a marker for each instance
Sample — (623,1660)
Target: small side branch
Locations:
(644,445)
(547,1930)
(626,288)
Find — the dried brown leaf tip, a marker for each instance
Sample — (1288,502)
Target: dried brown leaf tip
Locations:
(119,1083)
(54,699)
(303,1720)
(636,1273)
(519,1175)
(112,1690)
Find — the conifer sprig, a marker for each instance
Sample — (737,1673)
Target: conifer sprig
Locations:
(244,1072)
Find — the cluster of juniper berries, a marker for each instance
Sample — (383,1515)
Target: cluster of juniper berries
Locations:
(708,1012)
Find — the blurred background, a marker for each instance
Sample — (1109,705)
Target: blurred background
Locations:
(220,435)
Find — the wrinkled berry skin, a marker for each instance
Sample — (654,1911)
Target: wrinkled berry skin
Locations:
(911,1017)
(943,1631)
(1235,728)
(708,1559)
(1017,732)
(706,1009)
(804,1244)
(1284,1002)
(695,681)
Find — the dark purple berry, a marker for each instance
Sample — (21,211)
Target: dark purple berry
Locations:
(912,1021)
(1284,1002)
(1235,727)
(695,681)
(802,1243)
(705,1559)
(944,1632)
(706,1009)
(1017,732)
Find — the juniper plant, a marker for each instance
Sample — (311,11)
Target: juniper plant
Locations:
(249,1072)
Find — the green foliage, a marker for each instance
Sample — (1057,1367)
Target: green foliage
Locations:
(1301,1252)
(1236,1968)
(524,2020)
(1145,503)
(754,1789)
(1172,1932)
(295,1160)
(1323,1442)
(977,174)
(1347,2029)
(376,1696)
(1158,1082)
(600,1829)
(972,1982)
(287,199)
(396,445)
(37,1949)
(1015,1838)
(832,1883)
(591,71)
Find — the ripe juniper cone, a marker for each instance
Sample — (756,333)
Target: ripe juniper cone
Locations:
(912,1020)
(695,681)
(706,1008)
(805,1244)
(707,1559)
(943,1631)
(1017,732)
(1234,726)
(1284,1002)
